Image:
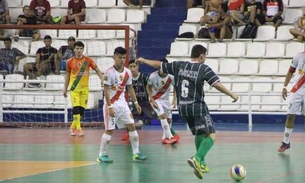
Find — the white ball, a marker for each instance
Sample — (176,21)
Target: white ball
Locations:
(237,172)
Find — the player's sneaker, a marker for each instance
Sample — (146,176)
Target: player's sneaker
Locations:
(196,165)
(283,147)
(125,136)
(173,140)
(73,131)
(104,159)
(204,168)
(177,137)
(139,157)
(169,141)
(80,133)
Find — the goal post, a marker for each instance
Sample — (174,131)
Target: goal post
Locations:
(44,104)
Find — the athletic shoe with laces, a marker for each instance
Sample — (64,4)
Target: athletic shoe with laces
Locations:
(204,168)
(104,159)
(177,137)
(283,147)
(80,133)
(169,141)
(73,131)
(196,165)
(139,157)
(125,137)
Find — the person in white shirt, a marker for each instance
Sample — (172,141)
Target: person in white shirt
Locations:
(273,10)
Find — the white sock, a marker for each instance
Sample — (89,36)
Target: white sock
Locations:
(166,128)
(287,134)
(134,140)
(163,135)
(105,140)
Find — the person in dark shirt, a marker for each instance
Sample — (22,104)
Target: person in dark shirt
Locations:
(27,19)
(189,77)
(254,12)
(76,12)
(65,52)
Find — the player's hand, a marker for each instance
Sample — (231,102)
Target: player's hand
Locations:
(284,93)
(139,110)
(154,104)
(111,112)
(140,60)
(65,93)
(234,97)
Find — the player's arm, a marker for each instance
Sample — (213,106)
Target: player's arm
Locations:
(67,81)
(286,82)
(132,94)
(149,93)
(174,102)
(100,75)
(224,90)
(152,63)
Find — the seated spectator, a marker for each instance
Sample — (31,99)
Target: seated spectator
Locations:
(42,10)
(137,3)
(212,8)
(10,57)
(223,28)
(4,15)
(299,31)
(195,3)
(45,63)
(272,10)
(236,10)
(76,12)
(27,19)
(253,12)
(66,52)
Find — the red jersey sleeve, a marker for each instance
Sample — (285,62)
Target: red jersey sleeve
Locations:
(92,64)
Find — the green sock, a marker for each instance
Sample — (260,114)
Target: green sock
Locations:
(173,131)
(198,140)
(204,148)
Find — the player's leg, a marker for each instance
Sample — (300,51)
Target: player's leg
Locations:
(294,105)
(82,107)
(168,113)
(75,100)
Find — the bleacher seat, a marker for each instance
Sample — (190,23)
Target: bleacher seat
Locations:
(217,50)
(228,66)
(106,34)
(236,49)
(194,15)
(193,43)
(271,103)
(13,86)
(265,33)
(226,81)
(116,16)
(54,86)
(255,50)
(96,16)
(56,3)
(187,28)
(35,45)
(121,3)
(212,102)
(255,100)
(6,100)
(91,3)
(14,13)
(14,3)
(241,87)
(293,48)
(275,50)
(296,3)
(291,15)
(248,67)
(24,61)
(135,16)
(94,83)
(59,12)
(285,2)
(44,101)
(284,66)
(61,99)
(57,43)
(111,45)
(268,67)
(50,32)
(104,63)
(283,33)
(178,49)
(106,4)
(23,100)
(262,87)
(22,45)
(212,63)
(278,87)
(64,3)
(86,34)
(64,34)
(120,34)
(229,106)
(27,2)
(96,48)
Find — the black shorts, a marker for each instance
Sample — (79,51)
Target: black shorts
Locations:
(146,110)
(276,19)
(261,19)
(197,3)
(200,125)
(145,2)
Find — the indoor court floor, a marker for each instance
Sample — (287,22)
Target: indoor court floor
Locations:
(52,156)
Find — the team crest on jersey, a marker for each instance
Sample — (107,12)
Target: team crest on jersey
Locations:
(79,65)
(162,83)
(121,78)
(113,88)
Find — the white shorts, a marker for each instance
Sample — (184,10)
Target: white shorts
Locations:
(122,117)
(296,104)
(164,107)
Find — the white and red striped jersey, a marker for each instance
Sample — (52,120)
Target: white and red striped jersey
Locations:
(161,86)
(117,81)
(298,67)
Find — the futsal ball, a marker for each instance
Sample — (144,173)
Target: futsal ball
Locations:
(237,172)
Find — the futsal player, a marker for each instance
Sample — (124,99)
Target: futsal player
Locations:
(189,77)
(77,79)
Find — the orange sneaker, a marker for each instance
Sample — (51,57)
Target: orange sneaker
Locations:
(173,140)
(166,141)
(80,133)
(125,136)
(177,137)
(73,131)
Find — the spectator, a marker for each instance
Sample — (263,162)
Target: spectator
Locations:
(236,10)
(46,61)
(223,28)
(27,19)
(272,10)
(10,57)
(134,3)
(299,30)
(4,15)
(253,12)
(66,52)
(76,12)
(213,12)
(195,3)
(42,10)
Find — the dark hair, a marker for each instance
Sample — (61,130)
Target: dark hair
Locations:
(6,39)
(25,6)
(132,61)
(120,50)
(47,37)
(224,7)
(79,44)
(197,50)
(164,60)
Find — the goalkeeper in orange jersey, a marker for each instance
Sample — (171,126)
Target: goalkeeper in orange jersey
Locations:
(77,78)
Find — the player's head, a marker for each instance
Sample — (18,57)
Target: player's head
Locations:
(47,40)
(133,66)
(119,56)
(71,41)
(79,48)
(164,60)
(7,42)
(198,53)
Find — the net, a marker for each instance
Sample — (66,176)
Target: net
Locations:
(33,97)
